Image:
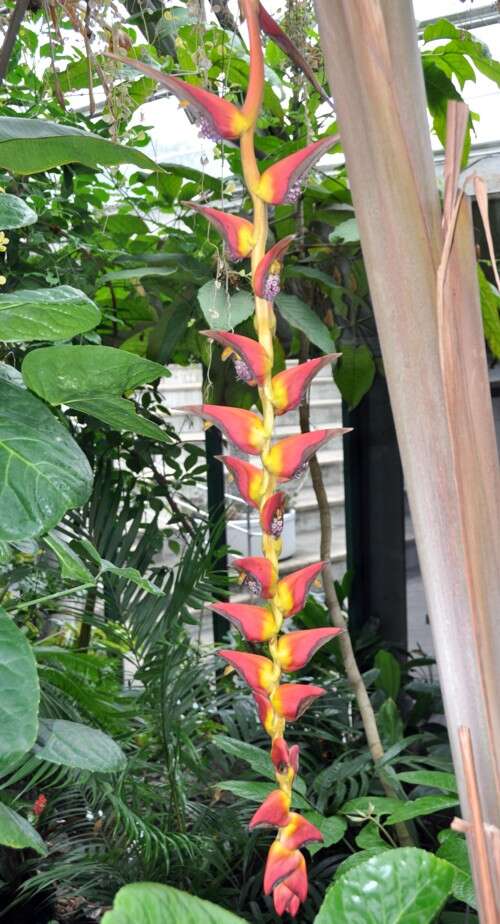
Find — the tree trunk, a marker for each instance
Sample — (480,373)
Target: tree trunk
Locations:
(447,447)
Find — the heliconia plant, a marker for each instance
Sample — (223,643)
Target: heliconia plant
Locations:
(277,702)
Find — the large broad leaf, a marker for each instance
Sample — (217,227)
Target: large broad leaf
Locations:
(19,692)
(222,310)
(258,759)
(454,849)
(354,373)
(299,315)
(152,903)
(43,473)
(135,274)
(426,805)
(436,779)
(65,374)
(34,145)
(120,414)
(332,829)
(73,745)
(404,886)
(46,314)
(16,832)
(14,213)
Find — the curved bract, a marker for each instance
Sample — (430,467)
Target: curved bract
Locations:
(260,621)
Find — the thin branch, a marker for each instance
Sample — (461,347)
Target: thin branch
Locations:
(13,28)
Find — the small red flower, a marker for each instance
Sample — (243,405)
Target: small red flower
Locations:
(251,361)
(39,805)
(272,514)
(266,281)
(281,183)
(290,386)
(237,232)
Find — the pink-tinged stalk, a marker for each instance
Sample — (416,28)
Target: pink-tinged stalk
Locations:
(237,232)
(267,275)
(289,387)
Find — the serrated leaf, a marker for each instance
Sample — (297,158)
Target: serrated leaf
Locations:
(46,314)
(16,832)
(402,886)
(300,315)
(15,213)
(354,373)
(71,744)
(35,145)
(43,473)
(19,692)
(150,903)
(224,311)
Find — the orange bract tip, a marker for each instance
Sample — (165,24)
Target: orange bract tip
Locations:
(273,513)
(217,118)
(247,477)
(298,832)
(292,699)
(281,183)
(256,623)
(257,671)
(288,457)
(250,358)
(237,232)
(280,864)
(295,649)
(285,900)
(290,386)
(243,428)
(293,589)
(260,576)
(273,813)
(266,280)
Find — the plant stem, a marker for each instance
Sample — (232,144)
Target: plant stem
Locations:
(60,593)
(84,636)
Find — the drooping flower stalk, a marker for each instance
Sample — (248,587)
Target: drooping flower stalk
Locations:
(277,702)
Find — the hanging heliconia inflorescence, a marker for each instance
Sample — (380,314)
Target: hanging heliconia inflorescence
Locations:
(277,702)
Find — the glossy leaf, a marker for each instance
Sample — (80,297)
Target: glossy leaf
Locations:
(426,805)
(16,832)
(46,314)
(72,567)
(19,692)
(332,829)
(67,374)
(120,414)
(300,315)
(436,779)
(242,750)
(354,373)
(454,849)
(15,213)
(403,886)
(222,310)
(151,902)
(43,473)
(71,744)
(35,145)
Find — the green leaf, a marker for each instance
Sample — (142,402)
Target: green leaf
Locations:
(222,310)
(43,473)
(366,806)
(35,145)
(370,837)
(19,692)
(131,574)
(437,779)
(16,832)
(403,886)
(426,805)
(356,859)
(257,792)
(120,414)
(72,568)
(346,231)
(135,274)
(490,309)
(454,849)
(46,314)
(255,757)
(71,744)
(354,373)
(390,723)
(301,316)
(443,28)
(152,903)
(332,828)
(66,374)
(389,679)
(14,213)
